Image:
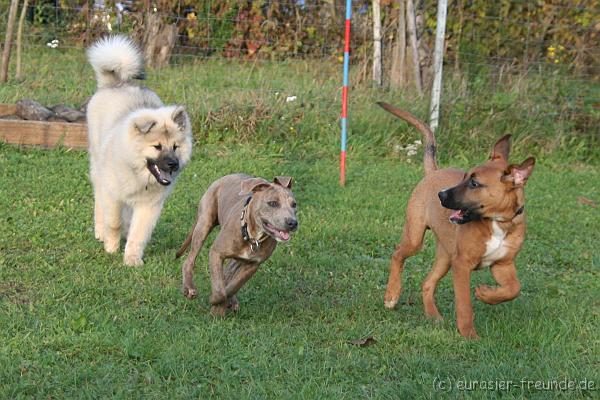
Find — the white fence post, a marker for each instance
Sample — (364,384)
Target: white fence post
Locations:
(438,62)
(377,43)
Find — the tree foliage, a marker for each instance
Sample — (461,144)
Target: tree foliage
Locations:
(519,32)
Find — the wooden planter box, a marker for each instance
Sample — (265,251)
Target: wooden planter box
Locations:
(41,133)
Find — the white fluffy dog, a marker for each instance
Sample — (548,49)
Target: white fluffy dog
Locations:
(137,147)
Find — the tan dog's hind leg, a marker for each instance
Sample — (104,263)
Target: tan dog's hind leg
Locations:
(506,276)
(440,268)
(461,277)
(412,240)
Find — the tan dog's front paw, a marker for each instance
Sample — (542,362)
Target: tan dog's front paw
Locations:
(485,294)
(471,335)
(434,315)
(133,260)
(98,235)
(468,332)
(218,310)
(390,302)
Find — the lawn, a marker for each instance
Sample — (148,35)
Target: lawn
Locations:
(76,323)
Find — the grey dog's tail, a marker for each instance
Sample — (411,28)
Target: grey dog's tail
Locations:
(115,59)
(429,159)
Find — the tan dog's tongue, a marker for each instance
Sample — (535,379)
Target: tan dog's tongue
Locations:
(456,214)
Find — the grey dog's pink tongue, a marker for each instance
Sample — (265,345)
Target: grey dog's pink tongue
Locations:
(284,235)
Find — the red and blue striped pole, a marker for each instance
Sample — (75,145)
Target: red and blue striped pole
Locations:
(345,93)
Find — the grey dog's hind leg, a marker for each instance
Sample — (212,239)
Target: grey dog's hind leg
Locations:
(206,220)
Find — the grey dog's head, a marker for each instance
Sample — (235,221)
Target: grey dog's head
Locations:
(273,206)
(164,140)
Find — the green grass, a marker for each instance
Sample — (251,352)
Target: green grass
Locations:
(77,323)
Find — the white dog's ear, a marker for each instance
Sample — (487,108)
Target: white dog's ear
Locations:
(253,185)
(285,181)
(180,117)
(144,124)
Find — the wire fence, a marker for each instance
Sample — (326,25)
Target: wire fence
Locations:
(503,41)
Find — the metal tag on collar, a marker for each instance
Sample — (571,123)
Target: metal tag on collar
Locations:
(254,245)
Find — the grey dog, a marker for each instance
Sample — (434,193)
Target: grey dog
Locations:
(254,215)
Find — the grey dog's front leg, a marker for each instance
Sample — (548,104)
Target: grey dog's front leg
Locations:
(218,297)
(236,275)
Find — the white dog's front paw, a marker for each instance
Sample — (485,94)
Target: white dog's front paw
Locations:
(111,246)
(133,260)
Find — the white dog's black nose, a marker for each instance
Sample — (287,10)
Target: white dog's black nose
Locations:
(172,164)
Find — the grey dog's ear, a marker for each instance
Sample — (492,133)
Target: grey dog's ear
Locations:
(285,181)
(180,117)
(253,185)
(144,124)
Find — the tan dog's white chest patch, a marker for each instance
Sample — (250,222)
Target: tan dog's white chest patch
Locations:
(495,247)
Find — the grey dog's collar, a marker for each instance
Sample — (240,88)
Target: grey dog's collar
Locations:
(254,243)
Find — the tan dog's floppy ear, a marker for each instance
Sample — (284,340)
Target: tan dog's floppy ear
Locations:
(285,181)
(144,124)
(253,185)
(501,149)
(180,117)
(518,174)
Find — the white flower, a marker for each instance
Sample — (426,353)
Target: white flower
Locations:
(52,44)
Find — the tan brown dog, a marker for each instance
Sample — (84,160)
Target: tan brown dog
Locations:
(486,228)
(254,215)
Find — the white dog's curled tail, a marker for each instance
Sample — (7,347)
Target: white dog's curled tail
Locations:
(115,59)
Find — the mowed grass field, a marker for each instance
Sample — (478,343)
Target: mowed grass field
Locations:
(76,323)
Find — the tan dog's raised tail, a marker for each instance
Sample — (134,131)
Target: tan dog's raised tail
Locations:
(478,220)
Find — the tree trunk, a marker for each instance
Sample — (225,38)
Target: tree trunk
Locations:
(20,38)
(399,57)
(414,52)
(158,40)
(12,15)
(377,43)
